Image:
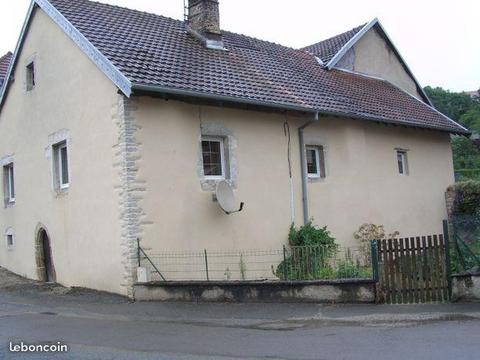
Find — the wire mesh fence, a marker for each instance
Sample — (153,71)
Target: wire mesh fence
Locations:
(466,243)
(287,263)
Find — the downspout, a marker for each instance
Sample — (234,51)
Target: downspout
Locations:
(303,165)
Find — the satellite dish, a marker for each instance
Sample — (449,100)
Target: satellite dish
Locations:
(226,198)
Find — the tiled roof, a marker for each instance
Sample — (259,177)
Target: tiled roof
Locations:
(327,49)
(154,50)
(4,64)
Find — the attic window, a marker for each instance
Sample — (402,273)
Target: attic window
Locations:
(30,76)
(402,162)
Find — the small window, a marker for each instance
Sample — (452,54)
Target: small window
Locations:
(9,183)
(213,157)
(402,162)
(315,162)
(30,76)
(60,158)
(10,238)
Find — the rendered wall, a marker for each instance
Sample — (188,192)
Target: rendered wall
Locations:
(363,183)
(71,96)
(373,56)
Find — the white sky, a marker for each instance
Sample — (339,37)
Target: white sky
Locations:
(439,39)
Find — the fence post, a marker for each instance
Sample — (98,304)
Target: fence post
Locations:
(374,260)
(138,253)
(448,265)
(285,272)
(206,264)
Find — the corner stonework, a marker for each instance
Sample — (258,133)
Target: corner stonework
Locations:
(130,188)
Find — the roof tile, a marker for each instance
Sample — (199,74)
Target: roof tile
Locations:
(154,50)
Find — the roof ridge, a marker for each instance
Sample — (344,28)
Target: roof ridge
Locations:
(180,21)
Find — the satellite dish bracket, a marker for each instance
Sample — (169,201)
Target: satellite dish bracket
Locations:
(233,212)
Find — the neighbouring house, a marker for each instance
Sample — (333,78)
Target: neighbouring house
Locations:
(473,94)
(117,124)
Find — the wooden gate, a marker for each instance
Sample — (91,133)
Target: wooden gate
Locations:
(413,270)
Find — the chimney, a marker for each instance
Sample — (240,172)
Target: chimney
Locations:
(203,22)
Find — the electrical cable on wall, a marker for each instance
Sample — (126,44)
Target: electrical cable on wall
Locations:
(286,131)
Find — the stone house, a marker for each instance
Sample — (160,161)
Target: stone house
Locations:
(118,124)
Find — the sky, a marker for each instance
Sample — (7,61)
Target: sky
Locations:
(437,38)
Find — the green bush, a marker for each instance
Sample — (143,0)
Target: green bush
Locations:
(347,270)
(311,235)
(467,198)
(311,248)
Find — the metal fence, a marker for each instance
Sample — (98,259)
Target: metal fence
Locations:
(287,263)
(466,243)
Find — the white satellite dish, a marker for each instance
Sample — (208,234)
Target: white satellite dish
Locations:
(226,198)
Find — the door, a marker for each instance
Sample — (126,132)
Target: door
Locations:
(47,257)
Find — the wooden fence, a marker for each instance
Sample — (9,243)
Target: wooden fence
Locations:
(413,270)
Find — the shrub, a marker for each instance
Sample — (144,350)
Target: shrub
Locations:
(310,262)
(347,270)
(368,232)
(467,198)
(311,235)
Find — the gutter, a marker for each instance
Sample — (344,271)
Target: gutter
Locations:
(273,105)
(210,96)
(303,166)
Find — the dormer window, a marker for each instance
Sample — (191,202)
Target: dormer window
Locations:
(30,76)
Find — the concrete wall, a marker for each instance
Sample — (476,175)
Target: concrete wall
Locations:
(362,184)
(374,56)
(71,98)
(307,291)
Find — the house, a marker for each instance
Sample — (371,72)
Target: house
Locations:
(4,64)
(118,124)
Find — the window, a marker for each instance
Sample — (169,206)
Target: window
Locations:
(9,183)
(315,162)
(30,76)
(10,238)
(402,162)
(213,157)
(60,162)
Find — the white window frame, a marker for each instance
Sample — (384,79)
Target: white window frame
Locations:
(57,164)
(9,233)
(315,175)
(220,140)
(404,158)
(9,178)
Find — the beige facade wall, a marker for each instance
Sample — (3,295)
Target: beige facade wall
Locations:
(362,184)
(71,97)
(374,56)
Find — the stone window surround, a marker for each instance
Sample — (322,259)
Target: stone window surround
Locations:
(6,160)
(10,232)
(54,139)
(230,159)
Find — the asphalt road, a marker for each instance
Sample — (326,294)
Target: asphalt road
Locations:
(102,326)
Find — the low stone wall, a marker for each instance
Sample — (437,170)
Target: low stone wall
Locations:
(466,287)
(338,291)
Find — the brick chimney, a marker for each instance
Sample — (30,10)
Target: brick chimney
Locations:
(203,22)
